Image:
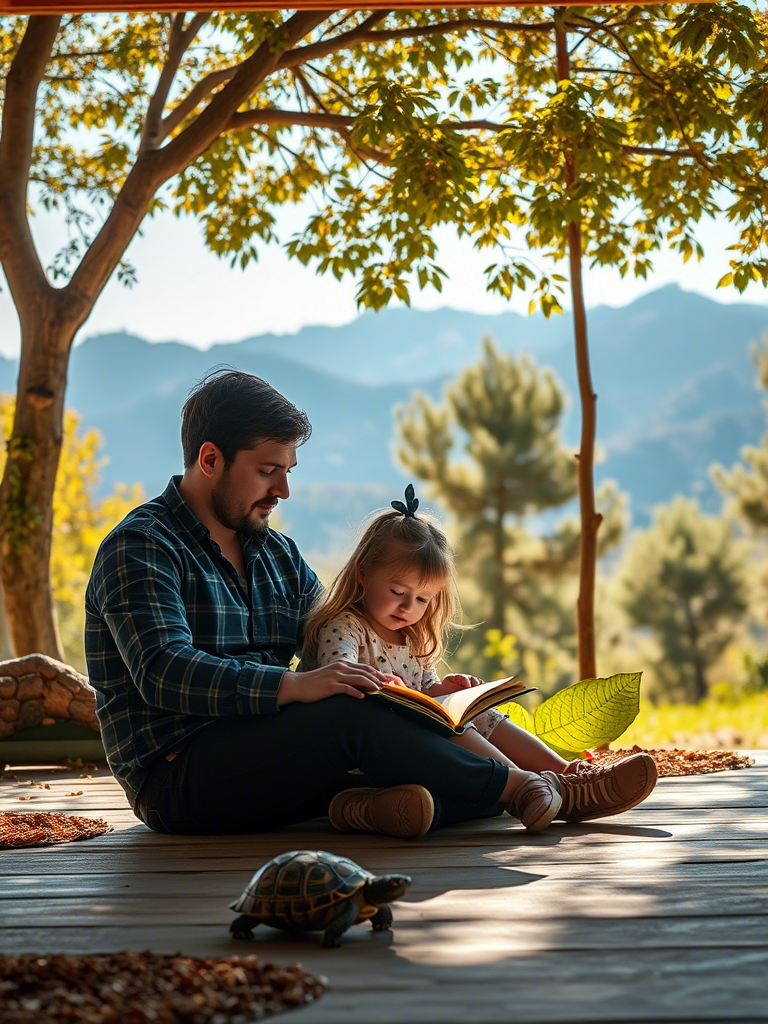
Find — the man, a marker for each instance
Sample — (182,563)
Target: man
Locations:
(193,614)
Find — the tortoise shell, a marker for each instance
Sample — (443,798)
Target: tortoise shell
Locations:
(301,890)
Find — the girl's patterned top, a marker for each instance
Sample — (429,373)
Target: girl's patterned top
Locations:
(350,638)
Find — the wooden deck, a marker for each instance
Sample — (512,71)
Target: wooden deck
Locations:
(660,914)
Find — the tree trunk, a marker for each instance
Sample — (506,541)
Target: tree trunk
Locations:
(26,493)
(700,686)
(6,647)
(699,681)
(498,610)
(590,519)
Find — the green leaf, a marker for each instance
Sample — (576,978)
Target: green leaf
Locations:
(518,715)
(589,713)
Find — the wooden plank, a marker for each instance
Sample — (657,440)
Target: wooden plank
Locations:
(510,935)
(542,987)
(577,842)
(507,832)
(90,859)
(429,897)
(663,795)
(85,800)
(753,778)
(754,775)
(227,884)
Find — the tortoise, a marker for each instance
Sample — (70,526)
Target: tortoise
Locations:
(312,890)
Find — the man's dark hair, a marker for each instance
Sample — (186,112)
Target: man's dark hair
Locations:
(235,410)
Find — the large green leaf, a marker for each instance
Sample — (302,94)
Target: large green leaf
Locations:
(590,713)
(518,715)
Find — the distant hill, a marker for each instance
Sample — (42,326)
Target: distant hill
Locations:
(672,372)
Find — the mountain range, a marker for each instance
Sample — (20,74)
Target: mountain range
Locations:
(672,371)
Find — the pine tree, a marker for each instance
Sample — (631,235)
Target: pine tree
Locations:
(748,484)
(685,580)
(505,412)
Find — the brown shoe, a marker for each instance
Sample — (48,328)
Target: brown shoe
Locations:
(403,811)
(536,802)
(593,791)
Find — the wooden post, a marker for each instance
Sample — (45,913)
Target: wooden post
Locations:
(590,518)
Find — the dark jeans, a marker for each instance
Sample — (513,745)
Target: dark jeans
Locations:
(259,773)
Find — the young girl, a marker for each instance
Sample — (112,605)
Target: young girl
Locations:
(390,607)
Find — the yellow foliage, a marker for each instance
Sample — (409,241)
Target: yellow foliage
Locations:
(503,648)
(80,521)
(726,719)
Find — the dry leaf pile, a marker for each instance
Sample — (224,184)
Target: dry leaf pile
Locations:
(681,762)
(139,988)
(29,828)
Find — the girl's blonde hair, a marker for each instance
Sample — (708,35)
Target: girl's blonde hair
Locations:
(407,543)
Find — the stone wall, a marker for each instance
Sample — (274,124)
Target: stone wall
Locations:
(37,690)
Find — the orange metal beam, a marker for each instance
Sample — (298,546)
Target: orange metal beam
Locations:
(103,6)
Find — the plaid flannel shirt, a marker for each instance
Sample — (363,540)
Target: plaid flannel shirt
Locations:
(175,639)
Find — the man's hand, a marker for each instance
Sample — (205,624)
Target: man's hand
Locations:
(346,677)
(452,683)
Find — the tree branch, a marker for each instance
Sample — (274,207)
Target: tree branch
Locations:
(658,151)
(199,92)
(17,134)
(179,41)
(153,167)
(202,89)
(695,151)
(300,55)
(363,34)
(78,55)
(361,152)
(343,123)
(198,136)
(301,118)
(462,24)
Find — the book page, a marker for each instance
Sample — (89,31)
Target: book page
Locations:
(416,699)
(458,704)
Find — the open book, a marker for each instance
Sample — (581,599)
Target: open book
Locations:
(450,714)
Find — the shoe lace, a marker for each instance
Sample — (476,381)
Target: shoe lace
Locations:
(586,788)
(584,768)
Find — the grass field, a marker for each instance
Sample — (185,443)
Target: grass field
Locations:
(729,723)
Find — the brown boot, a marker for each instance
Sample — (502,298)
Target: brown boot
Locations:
(403,811)
(593,791)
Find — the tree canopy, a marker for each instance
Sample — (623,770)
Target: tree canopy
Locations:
(513,125)
(392,123)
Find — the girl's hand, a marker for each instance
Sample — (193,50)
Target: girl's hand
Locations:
(455,682)
(396,681)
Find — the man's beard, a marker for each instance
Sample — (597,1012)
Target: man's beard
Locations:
(232,518)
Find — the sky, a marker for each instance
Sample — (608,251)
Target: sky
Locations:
(184,293)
